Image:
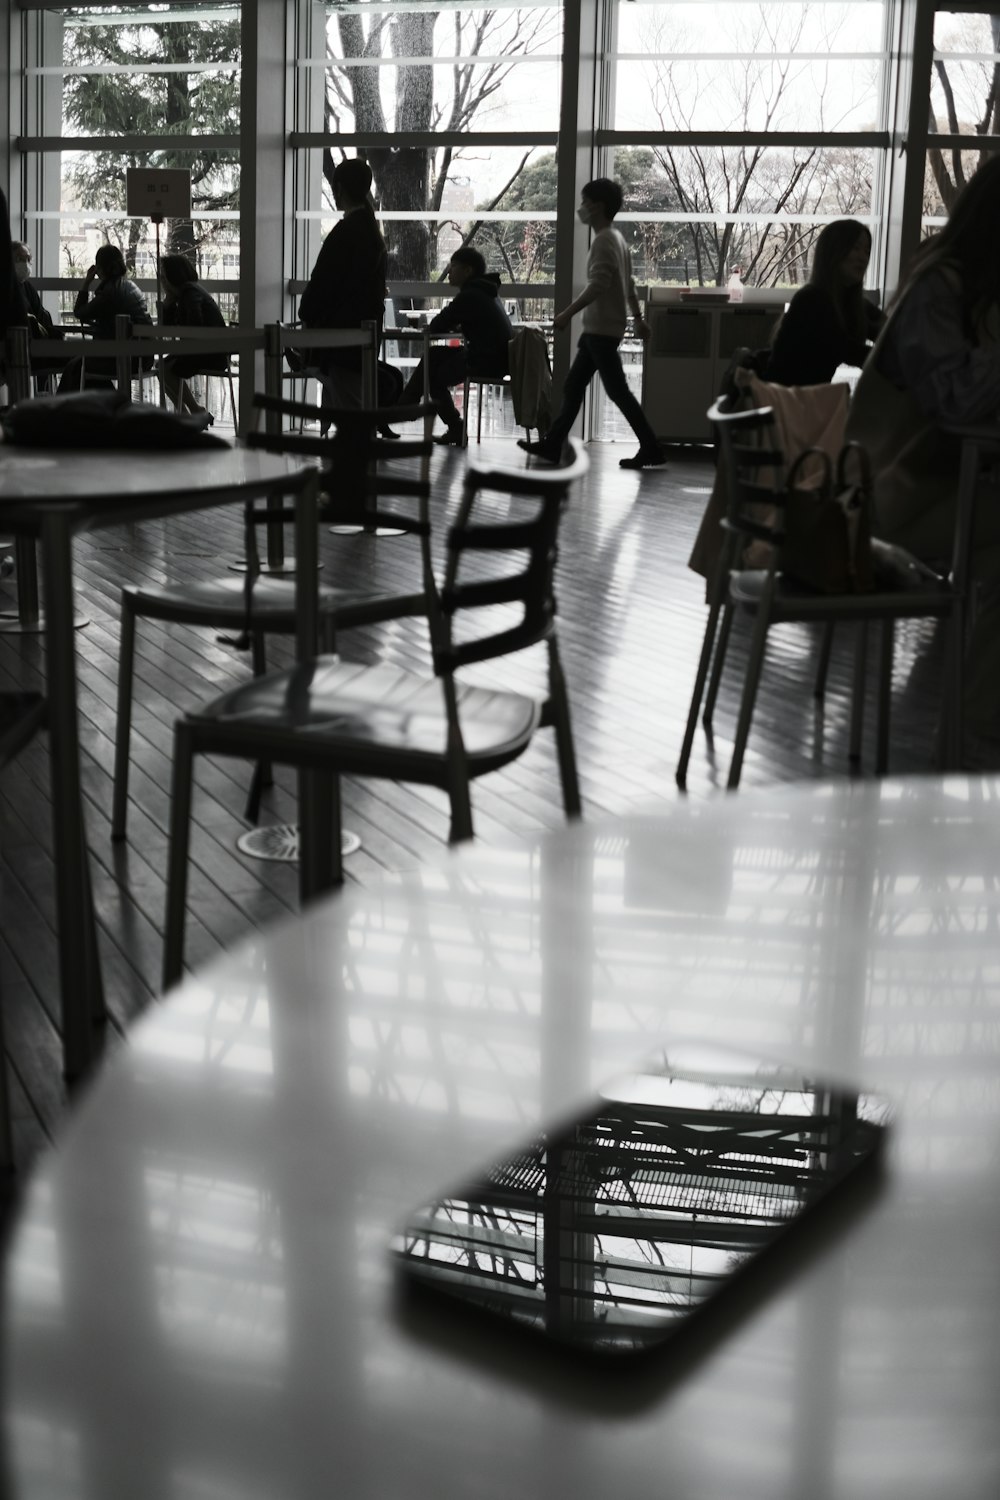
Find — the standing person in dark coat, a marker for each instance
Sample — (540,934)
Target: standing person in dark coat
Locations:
(829,321)
(347,285)
(479,315)
(114,294)
(186,304)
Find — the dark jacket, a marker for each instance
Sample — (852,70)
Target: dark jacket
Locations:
(478,314)
(37,310)
(109,300)
(13,308)
(811,341)
(193,307)
(347,286)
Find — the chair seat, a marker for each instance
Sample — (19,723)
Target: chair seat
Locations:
(371,718)
(222,601)
(797,601)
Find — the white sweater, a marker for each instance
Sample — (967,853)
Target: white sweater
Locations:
(609,271)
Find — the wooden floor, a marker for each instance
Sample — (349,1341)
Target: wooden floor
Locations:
(631,620)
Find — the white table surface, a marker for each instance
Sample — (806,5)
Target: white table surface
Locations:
(198,1296)
(52,495)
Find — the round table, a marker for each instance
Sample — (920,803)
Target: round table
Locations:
(199,1299)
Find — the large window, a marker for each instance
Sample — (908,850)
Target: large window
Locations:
(456,108)
(752,123)
(113,87)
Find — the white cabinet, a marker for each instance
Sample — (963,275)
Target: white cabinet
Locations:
(687,355)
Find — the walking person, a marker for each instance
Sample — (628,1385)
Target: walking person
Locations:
(605,302)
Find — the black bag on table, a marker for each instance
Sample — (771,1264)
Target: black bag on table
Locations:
(104,419)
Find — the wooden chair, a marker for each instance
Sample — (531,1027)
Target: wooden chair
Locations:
(21,715)
(259,604)
(330,717)
(756,510)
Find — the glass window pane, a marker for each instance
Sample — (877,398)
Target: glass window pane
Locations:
(414,67)
(945,174)
(964,98)
(731,67)
(683,227)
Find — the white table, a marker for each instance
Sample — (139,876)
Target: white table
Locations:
(198,1296)
(49,497)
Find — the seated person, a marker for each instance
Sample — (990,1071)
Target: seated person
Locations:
(479,315)
(186,304)
(829,321)
(936,364)
(115,294)
(40,321)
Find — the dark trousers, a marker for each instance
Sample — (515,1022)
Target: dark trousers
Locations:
(446,368)
(597,354)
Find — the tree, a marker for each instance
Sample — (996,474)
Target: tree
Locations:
(527,247)
(412,179)
(169,103)
(770,184)
(973,96)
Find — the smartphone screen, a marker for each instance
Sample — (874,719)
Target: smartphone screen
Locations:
(614,1232)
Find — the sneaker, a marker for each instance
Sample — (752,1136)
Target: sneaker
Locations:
(646,458)
(450,439)
(542,449)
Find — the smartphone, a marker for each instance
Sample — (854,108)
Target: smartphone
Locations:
(619,1230)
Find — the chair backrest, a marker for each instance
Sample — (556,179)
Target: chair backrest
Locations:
(523,552)
(754,470)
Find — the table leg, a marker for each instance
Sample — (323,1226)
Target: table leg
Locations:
(82,996)
(29,619)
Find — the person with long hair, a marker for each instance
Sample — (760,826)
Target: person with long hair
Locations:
(186,304)
(115,293)
(829,321)
(936,364)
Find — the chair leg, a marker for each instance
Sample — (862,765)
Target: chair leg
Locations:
(465,413)
(949,735)
(884,699)
(263,775)
(559,707)
(823,665)
(232,403)
(717,666)
(177,856)
(697,693)
(858,693)
(750,686)
(123,722)
(479,413)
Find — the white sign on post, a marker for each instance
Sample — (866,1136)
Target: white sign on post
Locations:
(162,194)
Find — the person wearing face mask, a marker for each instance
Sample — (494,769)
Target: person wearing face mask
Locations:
(43,326)
(829,322)
(39,320)
(478,314)
(605,302)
